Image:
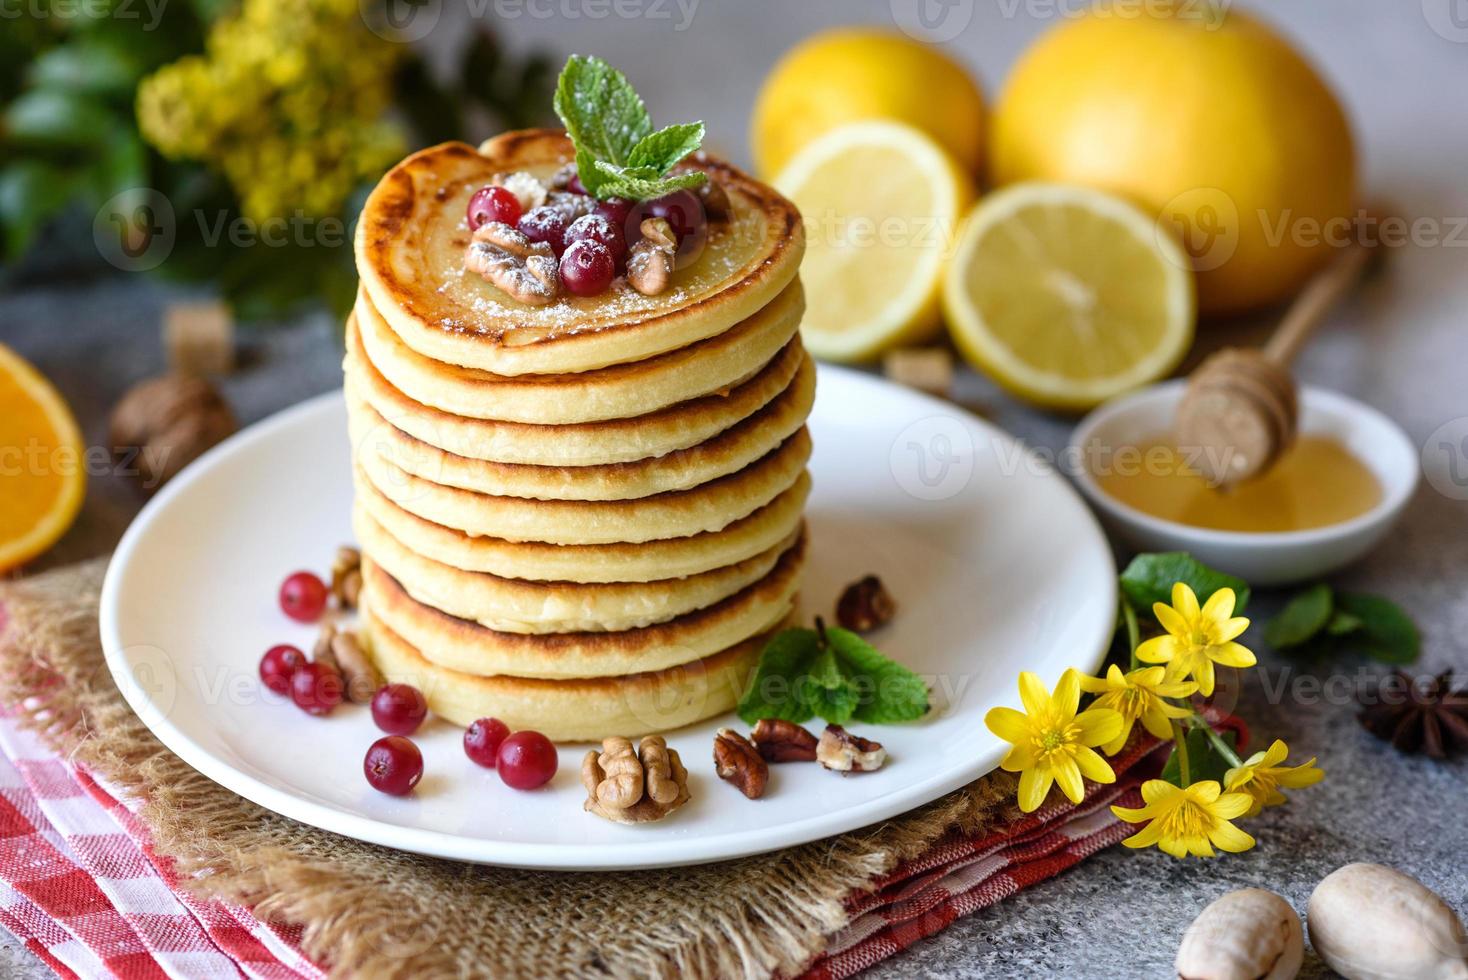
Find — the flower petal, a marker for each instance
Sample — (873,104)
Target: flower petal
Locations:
(1204,792)
(1277,752)
(1008,724)
(1232,628)
(1098,725)
(1095,685)
(1067,697)
(1093,767)
(1020,758)
(1158,650)
(1145,837)
(1230,805)
(1032,692)
(1034,786)
(1300,776)
(1203,674)
(1155,720)
(1232,655)
(1131,815)
(1185,600)
(1148,677)
(1220,606)
(1156,791)
(1230,838)
(1068,778)
(1171,620)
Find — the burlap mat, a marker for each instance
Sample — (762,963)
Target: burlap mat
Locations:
(372,912)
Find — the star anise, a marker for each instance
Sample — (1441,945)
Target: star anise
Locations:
(1419,714)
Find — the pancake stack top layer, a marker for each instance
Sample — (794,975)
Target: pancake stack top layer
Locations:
(580,517)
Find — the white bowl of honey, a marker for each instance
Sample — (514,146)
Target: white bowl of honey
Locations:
(1329,499)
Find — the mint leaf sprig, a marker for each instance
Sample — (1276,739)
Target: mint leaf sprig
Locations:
(831,673)
(1320,622)
(617,152)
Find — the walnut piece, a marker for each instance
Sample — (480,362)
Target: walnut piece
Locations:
(346,577)
(714,198)
(630,787)
(165,423)
(783,741)
(504,257)
(737,761)
(360,678)
(841,751)
(864,605)
(650,264)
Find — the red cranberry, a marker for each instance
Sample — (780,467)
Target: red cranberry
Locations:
(587,267)
(574,185)
(618,210)
(681,209)
(526,760)
(493,203)
(482,740)
(278,666)
(316,688)
(546,224)
(303,597)
(597,228)
(393,765)
(399,708)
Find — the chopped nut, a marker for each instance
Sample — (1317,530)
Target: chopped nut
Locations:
(927,369)
(737,761)
(163,424)
(783,741)
(841,751)
(199,338)
(865,605)
(634,788)
(346,577)
(504,257)
(528,191)
(359,676)
(650,265)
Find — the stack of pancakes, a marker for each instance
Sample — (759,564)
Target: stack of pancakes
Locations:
(582,518)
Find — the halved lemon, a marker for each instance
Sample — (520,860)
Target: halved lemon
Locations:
(882,202)
(1067,296)
(42,463)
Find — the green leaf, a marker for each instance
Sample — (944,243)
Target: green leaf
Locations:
(602,113)
(1302,617)
(640,188)
(888,691)
(828,690)
(30,194)
(1386,632)
(666,148)
(88,67)
(773,690)
(1342,624)
(1150,577)
(53,118)
(1204,760)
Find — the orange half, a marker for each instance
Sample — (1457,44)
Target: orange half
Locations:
(42,465)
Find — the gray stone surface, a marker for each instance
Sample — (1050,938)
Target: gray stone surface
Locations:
(1400,345)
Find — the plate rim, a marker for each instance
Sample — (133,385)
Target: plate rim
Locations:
(666,851)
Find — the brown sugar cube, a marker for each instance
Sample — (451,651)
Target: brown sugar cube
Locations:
(199,338)
(927,369)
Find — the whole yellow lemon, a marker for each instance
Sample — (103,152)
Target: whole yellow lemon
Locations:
(1206,118)
(850,74)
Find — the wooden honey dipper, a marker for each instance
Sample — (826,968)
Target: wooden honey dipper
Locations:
(1241,410)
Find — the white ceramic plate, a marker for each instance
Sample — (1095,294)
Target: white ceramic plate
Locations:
(996,563)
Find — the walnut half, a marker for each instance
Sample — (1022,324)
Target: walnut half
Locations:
(650,265)
(630,787)
(504,257)
(841,751)
(738,762)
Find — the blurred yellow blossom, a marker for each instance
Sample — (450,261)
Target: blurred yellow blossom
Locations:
(288,102)
(1196,639)
(1261,776)
(1050,742)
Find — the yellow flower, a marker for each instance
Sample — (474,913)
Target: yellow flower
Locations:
(1188,821)
(1196,639)
(1052,743)
(1261,776)
(1138,696)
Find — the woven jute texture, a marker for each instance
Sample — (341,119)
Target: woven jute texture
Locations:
(372,912)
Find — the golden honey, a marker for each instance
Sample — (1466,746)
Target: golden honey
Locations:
(1316,483)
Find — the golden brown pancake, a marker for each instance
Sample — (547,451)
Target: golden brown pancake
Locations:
(646,562)
(728,452)
(620,391)
(574,710)
(710,507)
(462,645)
(518,606)
(410,254)
(581,444)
